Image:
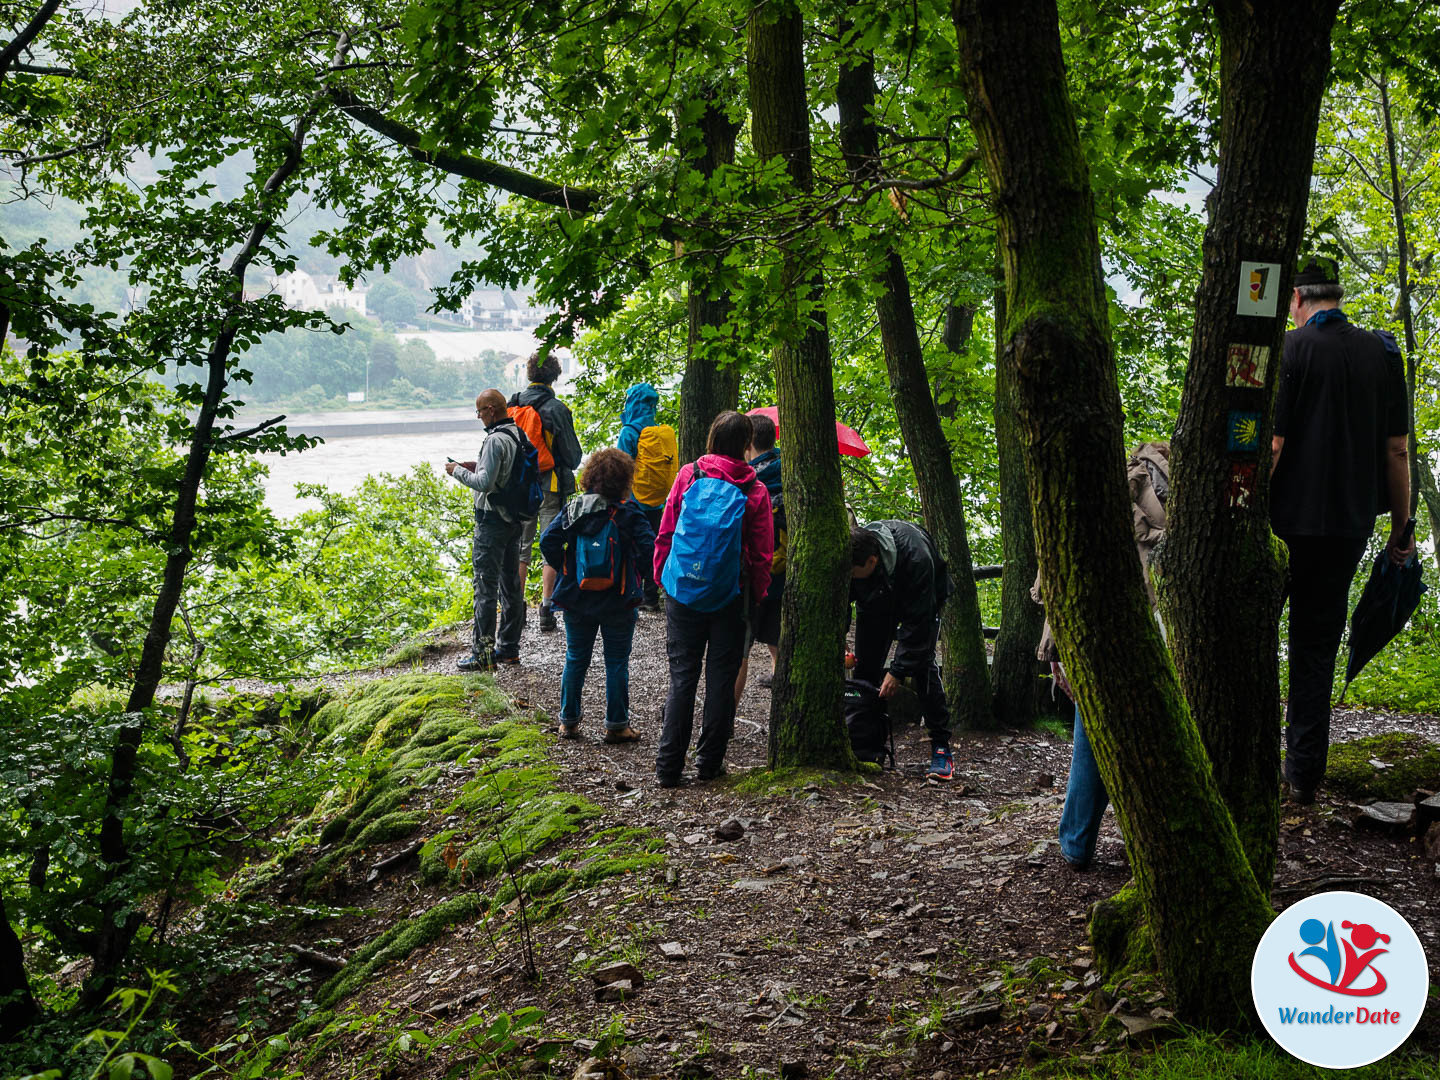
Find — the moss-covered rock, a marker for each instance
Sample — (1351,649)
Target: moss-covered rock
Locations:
(1409,761)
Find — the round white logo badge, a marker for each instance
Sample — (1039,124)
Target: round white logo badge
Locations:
(1339,980)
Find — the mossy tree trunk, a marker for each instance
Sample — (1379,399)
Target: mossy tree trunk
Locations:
(1013,672)
(967,680)
(806,726)
(1206,912)
(707,388)
(1219,574)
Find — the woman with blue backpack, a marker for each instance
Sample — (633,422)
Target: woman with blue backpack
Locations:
(712,554)
(597,545)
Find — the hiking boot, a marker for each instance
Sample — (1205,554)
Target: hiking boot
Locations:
(667,781)
(708,772)
(547,619)
(650,605)
(942,763)
(477,663)
(508,661)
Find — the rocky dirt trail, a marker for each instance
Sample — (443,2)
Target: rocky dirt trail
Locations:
(885,926)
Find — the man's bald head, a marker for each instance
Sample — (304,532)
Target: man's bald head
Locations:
(490,407)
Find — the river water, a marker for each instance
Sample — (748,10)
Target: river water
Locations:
(341,464)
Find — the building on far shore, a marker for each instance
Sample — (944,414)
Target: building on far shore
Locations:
(503,309)
(317,292)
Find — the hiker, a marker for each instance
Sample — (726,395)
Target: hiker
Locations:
(548,423)
(1340,456)
(505,491)
(899,583)
(712,554)
(596,546)
(1147,473)
(764,458)
(657,461)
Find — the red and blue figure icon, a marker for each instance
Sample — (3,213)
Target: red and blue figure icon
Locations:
(1359,952)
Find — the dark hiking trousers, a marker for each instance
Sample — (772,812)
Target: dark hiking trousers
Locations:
(1321,568)
(495,560)
(873,638)
(717,640)
(645,567)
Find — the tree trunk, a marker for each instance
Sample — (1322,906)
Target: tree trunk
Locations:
(120,917)
(1205,911)
(707,389)
(17,1004)
(1219,575)
(806,726)
(967,682)
(1407,315)
(1013,672)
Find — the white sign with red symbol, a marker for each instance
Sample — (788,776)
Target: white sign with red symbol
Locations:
(1339,980)
(1259,289)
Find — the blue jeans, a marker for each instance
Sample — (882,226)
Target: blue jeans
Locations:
(1085,801)
(616,632)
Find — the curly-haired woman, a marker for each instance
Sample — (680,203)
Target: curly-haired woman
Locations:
(596,546)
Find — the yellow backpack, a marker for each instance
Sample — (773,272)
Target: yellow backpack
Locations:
(657,460)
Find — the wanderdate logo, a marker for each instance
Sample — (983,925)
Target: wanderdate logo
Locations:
(1322,954)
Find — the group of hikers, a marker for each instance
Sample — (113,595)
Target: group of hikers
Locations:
(712,534)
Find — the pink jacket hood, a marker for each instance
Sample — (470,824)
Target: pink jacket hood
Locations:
(758,529)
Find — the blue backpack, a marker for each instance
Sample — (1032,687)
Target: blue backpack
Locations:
(520,495)
(703,569)
(597,557)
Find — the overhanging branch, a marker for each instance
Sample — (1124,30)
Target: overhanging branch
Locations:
(515,181)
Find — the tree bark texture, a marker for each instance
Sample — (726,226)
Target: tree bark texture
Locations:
(17,1004)
(1013,674)
(1220,574)
(806,724)
(1204,907)
(707,389)
(966,677)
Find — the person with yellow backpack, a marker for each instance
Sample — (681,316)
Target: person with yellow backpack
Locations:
(657,461)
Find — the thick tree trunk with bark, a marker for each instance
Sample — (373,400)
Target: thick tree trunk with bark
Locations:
(707,389)
(806,725)
(17,1004)
(1205,910)
(1219,574)
(967,680)
(1013,672)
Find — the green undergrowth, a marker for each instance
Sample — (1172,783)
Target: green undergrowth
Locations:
(794,781)
(1409,761)
(1215,1058)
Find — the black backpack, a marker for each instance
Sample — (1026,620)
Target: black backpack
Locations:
(520,495)
(868,721)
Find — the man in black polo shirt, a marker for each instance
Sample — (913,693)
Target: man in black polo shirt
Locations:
(1340,458)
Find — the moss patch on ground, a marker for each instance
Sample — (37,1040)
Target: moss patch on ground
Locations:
(1408,761)
(794,781)
(505,827)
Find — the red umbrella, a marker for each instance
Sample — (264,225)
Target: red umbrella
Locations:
(847,439)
